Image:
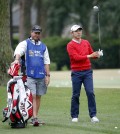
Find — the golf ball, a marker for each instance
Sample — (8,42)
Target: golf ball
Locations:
(95,8)
(115,127)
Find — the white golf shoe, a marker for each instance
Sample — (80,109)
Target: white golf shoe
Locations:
(94,119)
(74,119)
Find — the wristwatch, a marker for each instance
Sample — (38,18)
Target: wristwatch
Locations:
(48,75)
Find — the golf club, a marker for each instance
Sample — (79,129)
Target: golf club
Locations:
(96,9)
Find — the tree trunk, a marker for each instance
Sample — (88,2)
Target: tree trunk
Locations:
(41,15)
(5,43)
(25,19)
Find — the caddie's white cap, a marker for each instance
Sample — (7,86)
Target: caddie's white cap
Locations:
(75,27)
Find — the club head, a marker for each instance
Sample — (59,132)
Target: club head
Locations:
(96,9)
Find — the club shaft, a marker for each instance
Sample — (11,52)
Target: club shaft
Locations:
(99,31)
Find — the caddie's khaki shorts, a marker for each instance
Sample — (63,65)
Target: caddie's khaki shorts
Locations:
(37,86)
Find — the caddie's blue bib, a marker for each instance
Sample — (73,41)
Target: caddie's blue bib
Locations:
(35,60)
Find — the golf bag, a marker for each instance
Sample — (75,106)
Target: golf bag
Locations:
(19,100)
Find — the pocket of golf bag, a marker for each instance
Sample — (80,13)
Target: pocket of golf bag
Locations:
(29,102)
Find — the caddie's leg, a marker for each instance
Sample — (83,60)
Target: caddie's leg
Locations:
(34,107)
(38,102)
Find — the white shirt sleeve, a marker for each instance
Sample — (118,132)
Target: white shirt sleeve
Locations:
(21,48)
(46,57)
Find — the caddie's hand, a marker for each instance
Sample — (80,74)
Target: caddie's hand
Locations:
(47,80)
(16,61)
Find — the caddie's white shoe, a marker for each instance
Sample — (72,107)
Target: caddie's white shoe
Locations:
(94,119)
(74,119)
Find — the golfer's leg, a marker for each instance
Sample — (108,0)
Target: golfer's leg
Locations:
(76,86)
(88,84)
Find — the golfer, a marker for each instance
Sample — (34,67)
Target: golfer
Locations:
(80,52)
(37,63)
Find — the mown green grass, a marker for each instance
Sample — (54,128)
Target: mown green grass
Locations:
(55,111)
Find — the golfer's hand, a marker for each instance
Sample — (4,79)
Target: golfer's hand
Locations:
(47,80)
(94,55)
(100,52)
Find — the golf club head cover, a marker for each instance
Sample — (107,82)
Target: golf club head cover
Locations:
(14,70)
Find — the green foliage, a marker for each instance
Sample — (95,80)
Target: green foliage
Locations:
(57,51)
(64,68)
(58,12)
(111,51)
(110,19)
(53,66)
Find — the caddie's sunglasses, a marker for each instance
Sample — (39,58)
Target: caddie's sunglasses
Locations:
(37,33)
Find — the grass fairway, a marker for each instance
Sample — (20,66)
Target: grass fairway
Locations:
(103,78)
(55,111)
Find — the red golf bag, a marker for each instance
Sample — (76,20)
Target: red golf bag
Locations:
(19,100)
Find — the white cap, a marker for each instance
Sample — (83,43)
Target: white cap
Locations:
(75,27)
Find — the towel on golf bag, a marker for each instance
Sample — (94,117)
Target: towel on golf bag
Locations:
(19,100)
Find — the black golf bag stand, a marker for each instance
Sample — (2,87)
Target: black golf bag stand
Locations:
(19,100)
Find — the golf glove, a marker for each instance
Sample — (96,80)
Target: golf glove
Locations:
(100,52)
